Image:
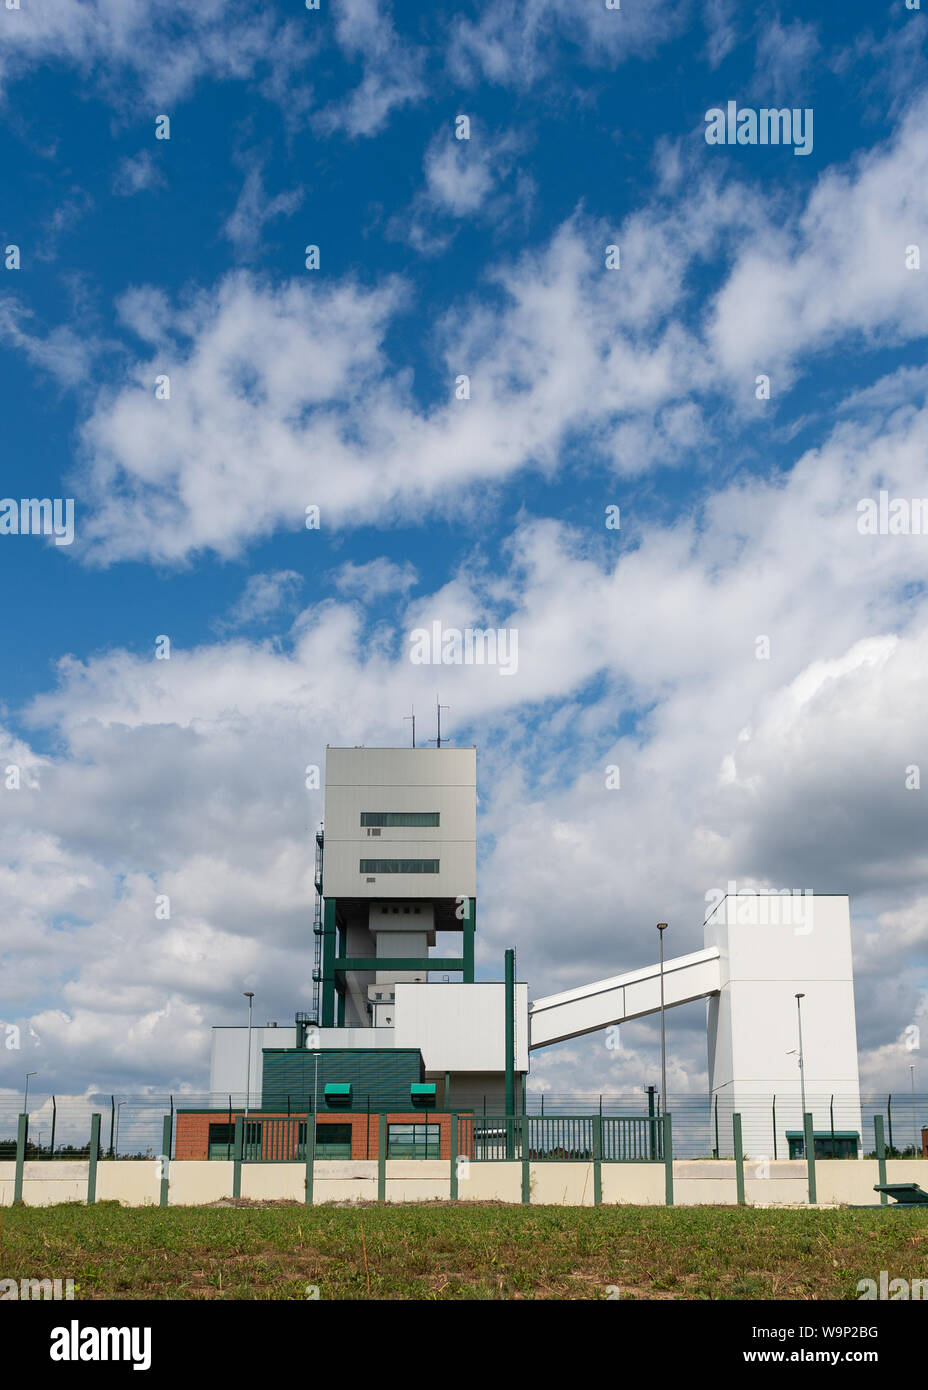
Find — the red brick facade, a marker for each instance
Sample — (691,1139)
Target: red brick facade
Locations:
(191,1132)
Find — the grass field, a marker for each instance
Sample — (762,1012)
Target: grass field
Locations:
(443,1251)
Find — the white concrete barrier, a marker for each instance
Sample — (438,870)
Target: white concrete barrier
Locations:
(697,1182)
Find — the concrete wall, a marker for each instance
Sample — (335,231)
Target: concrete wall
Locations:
(633,1184)
(696,1182)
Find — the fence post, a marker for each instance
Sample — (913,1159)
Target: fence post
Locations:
(739,1157)
(880,1154)
(598,1159)
(166,1128)
(809,1137)
(309,1153)
(453,1144)
(381,1157)
(774,1126)
(112,1123)
(668,1160)
(92,1166)
(526,1164)
(238,1144)
(716,1124)
(889,1120)
(22,1133)
(51,1147)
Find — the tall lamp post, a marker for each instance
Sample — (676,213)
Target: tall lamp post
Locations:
(661,928)
(315,1096)
(802,1069)
(249,995)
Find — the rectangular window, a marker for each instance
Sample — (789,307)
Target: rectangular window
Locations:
(414,1141)
(332,1141)
(220,1141)
(399,866)
(386,818)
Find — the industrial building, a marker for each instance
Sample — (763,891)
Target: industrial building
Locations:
(401,1034)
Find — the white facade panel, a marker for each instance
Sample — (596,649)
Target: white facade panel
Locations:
(460,1027)
(772,948)
(442,780)
(229,1058)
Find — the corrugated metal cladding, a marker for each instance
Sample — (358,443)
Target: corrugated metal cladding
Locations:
(378,1077)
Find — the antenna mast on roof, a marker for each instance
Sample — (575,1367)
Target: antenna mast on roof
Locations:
(439,709)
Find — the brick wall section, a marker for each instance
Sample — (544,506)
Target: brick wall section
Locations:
(191,1130)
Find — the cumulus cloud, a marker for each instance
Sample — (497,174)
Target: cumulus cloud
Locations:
(375,578)
(264,595)
(297,375)
(638,649)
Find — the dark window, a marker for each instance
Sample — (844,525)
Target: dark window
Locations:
(414,1141)
(399,866)
(386,818)
(221,1138)
(333,1141)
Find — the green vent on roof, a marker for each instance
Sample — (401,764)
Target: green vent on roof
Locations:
(422,1093)
(338,1093)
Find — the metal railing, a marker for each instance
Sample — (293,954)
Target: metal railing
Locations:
(563,1138)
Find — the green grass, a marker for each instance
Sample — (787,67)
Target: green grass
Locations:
(444,1251)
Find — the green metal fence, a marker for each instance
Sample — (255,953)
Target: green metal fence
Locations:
(565,1138)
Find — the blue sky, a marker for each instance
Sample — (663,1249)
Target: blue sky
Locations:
(336,387)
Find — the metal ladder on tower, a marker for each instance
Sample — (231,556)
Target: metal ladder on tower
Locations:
(317,928)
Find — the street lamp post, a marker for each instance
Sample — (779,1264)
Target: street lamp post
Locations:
(661,928)
(249,995)
(315,1098)
(802,1069)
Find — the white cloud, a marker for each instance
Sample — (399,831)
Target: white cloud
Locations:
(518,42)
(254,209)
(264,595)
(785,54)
(374,579)
(628,359)
(65,353)
(137,173)
(658,621)
(391,69)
